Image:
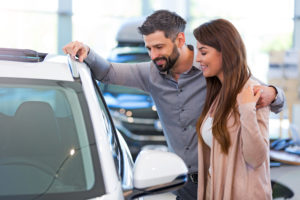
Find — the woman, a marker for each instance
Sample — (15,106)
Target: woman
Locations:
(233,135)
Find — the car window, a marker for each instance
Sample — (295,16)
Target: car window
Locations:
(113,140)
(47,147)
(119,148)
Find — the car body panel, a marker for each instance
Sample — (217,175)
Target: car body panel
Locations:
(53,68)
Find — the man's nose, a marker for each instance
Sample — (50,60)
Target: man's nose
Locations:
(153,54)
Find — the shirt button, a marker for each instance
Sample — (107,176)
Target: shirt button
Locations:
(189,166)
(180,90)
(184,129)
(182,109)
(187,148)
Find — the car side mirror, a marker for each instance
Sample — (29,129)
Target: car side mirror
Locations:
(157,172)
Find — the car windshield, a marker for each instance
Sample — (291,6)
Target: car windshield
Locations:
(47,147)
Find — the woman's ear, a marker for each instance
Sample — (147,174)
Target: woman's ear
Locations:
(180,39)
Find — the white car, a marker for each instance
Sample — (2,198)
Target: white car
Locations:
(58,141)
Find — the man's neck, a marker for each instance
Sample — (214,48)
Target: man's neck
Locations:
(184,62)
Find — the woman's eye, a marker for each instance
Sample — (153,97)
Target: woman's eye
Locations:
(203,53)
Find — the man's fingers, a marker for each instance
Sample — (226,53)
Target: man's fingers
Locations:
(68,49)
(65,49)
(76,49)
(81,58)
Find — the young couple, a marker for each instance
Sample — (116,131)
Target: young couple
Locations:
(213,112)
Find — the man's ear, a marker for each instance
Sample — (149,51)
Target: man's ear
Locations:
(180,39)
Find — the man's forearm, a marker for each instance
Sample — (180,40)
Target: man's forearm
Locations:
(98,65)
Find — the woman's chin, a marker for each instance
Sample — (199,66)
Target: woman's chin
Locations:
(206,74)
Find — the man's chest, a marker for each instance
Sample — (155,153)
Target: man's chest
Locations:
(184,98)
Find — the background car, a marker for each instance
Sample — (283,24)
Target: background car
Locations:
(133,110)
(58,141)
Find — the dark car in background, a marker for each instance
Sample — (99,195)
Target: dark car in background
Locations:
(133,110)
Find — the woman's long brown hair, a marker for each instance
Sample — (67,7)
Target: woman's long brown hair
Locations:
(223,36)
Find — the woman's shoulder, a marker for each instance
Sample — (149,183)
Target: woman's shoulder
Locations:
(251,82)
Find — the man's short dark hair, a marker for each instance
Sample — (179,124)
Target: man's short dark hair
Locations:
(163,20)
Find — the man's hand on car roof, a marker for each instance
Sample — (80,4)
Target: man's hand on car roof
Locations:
(77,49)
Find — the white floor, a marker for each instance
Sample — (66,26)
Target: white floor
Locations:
(288,175)
(167,196)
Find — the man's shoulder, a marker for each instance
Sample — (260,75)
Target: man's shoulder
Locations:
(252,82)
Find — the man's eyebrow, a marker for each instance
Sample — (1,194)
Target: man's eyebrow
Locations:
(160,44)
(155,45)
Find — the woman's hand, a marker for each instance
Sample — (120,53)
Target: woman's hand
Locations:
(247,96)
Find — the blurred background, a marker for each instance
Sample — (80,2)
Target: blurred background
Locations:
(270,30)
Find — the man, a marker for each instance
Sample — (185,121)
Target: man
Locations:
(174,81)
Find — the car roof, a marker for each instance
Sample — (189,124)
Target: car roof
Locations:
(54,67)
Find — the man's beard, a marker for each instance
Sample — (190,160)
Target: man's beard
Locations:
(169,61)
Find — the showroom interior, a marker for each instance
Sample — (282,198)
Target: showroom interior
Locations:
(270,30)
